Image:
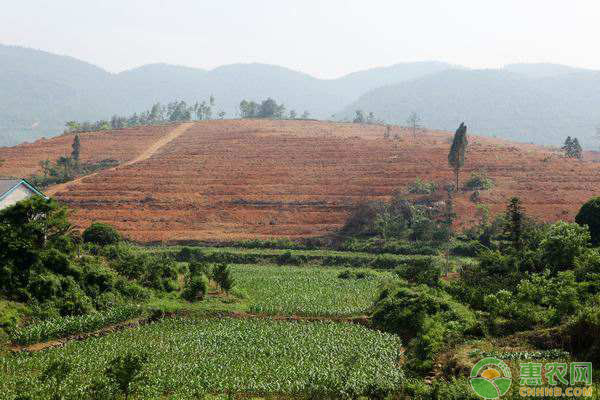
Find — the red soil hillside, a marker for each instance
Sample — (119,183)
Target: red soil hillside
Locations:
(121,145)
(222,180)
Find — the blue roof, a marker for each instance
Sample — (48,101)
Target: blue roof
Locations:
(7,186)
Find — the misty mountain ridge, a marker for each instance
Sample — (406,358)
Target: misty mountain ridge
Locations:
(41,91)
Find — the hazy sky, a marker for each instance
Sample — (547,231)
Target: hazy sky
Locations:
(325,38)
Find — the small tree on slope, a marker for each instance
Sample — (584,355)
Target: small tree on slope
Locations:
(456,157)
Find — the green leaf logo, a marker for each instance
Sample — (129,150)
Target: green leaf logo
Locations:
(490,378)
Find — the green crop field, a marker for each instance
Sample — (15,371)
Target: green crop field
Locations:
(191,357)
(305,291)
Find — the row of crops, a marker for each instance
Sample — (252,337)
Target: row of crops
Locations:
(188,358)
(280,290)
(65,326)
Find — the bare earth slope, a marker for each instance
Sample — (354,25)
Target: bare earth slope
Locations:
(219,180)
(122,145)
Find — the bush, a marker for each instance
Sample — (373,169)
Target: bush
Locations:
(584,334)
(357,274)
(426,271)
(288,258)
(429,318)
(189,254)
(196,287)
(420,186)
(385,262)
(589,214)
(479,181)
(221,274)
(101,234)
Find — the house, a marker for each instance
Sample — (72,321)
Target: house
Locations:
(15,190)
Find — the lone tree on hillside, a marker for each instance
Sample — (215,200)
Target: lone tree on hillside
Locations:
(76,146)
(456,157)
(572,148)
(414,123)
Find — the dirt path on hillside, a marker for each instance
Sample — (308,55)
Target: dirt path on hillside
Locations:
(149,152)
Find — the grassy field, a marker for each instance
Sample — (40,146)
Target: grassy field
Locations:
(251,356)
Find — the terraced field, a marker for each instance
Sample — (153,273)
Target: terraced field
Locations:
(242,179)
(121,145)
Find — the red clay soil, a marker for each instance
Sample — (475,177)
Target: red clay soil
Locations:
(121,145)
(225,180)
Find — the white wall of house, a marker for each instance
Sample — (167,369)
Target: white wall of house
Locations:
(20,193)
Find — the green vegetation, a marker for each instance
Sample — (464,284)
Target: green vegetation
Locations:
(223,356)
(456,157)
(64,326)
(175,111)
(306,291)
(479,180)
(101,234)
(589,215)
(572,148)
(508,287)
(420,186)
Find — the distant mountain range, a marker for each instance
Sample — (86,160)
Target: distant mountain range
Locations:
(542,103)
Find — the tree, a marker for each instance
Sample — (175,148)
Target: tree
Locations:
(268,109)
(73,126)
(589,214)
(514,223)
(456,157)
(359,117)
(572,148)
(576,149)
(76,146)
(293,114)
(67,164)
(414,123)
(562,243)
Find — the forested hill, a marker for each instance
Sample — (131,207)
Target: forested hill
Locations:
(530,103)
(41,91)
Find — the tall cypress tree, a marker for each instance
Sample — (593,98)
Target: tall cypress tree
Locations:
(576,151)
(456,157)
(76,146)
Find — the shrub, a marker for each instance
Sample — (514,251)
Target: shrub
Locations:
(101,234)
(197,268)
(196,287)
(584,334)
(479,181)
(420,186)
(189,254)
(589,214)
(385,262)
(362,219)
(426,271)
(357,274)
(221,274)
(288,258)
